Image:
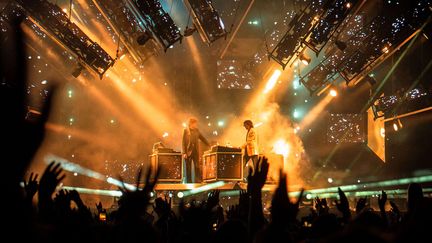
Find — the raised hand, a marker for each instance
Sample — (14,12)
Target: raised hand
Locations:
(284,212)
(133,203)
(49,181)
(62,201)
(31,186)
(162,207)
(382,199)
(361,204)
(395,211)
(75,197)
(99,207)
(257,180)
(343,205)
(321,206)
(213,199)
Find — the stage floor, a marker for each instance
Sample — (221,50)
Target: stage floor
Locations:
(190,186)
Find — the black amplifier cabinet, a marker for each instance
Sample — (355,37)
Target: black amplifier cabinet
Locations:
(171,165)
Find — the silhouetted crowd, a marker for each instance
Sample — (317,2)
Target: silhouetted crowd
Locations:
(61,216)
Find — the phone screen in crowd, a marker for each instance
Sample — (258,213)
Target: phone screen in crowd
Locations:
(102,216)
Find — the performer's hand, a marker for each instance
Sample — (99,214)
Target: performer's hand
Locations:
(184,156)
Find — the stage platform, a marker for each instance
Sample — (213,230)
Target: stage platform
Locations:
(226,187)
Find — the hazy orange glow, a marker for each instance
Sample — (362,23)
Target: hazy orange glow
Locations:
(101,141)
(315,112)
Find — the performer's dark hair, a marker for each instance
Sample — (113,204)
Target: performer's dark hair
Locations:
(249,123)
(192,120)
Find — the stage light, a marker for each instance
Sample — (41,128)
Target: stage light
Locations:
(308,196)
(165,135)
(44,82)
(55,22)
(72,167)
(143,38)
(296,114)
(77,71)
(158,22)
(180,194)
(221,123)
(204,188)
(395,127)
(304,59)
(348,5)
(341,45)
(189,31)
(330,180)
(281,147)
(399,123)
(112,121)
(206,20)
(75,174)
(272,81)
(382,132)
(333,93)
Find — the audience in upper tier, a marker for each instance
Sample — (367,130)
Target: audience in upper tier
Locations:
(53,219)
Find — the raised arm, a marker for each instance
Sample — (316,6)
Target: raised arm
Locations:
(203,139)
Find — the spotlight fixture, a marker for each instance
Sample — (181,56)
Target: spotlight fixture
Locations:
(57,25)
(189,31)
(206,20)
(341,45)
(304,59)
(77,71)
(395,126)
(333,92)
(142,39)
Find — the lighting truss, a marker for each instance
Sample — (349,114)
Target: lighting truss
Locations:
(57,24)
(327,70)
(207,20)
(366,47)
(396,26)
(130,29)
(290,45)
(159,22)
(328,23)
(401,102)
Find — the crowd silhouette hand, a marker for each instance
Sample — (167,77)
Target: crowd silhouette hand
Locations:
(31,186)
(62,200)
(343,205)
(162,206)
(257,179)
(395,210)
(49,181)
(75,197)
(321,206)
(99,207)
(382,199)
(282,210)
(133,203)
(213,199)
(17,132)
(361,205)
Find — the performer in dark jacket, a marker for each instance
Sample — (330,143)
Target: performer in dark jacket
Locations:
(190,149)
